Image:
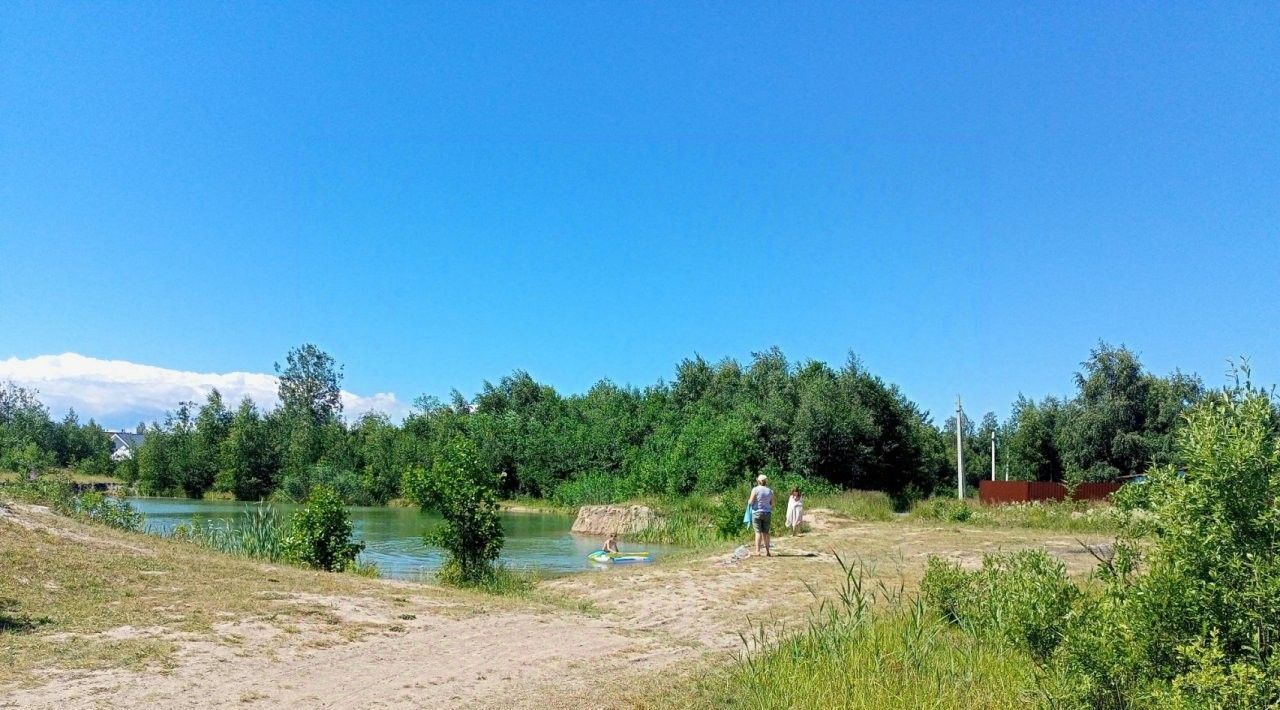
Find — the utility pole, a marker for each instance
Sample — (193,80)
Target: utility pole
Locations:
(993,455)
(959,450)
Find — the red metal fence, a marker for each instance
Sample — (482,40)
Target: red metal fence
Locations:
(1027,491)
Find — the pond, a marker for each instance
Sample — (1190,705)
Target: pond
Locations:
(538,542)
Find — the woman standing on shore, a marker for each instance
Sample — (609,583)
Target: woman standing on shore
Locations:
(761,504)
(795,511)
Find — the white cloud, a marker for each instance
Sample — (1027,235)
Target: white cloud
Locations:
(120,392)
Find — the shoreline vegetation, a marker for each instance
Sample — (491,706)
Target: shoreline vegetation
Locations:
(54,550)
(686,449)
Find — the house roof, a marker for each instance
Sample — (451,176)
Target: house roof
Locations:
(128,438)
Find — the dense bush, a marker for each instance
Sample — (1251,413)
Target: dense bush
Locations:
(297,485)
(948,589)
(729,515)
(1209,583)
(593,488)
(1186,618)
(319,533)
(1023,596)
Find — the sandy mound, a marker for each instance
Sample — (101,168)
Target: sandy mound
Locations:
(622,519)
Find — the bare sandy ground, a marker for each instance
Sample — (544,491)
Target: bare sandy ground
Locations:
(574,649)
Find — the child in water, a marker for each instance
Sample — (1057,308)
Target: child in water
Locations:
(611,543)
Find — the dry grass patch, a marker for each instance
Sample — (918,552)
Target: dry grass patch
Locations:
(126,601)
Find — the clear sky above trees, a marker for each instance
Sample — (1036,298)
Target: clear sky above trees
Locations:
(968,196)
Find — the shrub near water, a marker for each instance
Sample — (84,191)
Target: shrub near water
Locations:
(57,491)
(464,493)
(105,510)
(319,534)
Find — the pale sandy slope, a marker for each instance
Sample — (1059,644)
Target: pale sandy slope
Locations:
(577,650)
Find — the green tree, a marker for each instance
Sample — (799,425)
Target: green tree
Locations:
(833,432)
(155,467)
(1122,418)
(310,384)
(1030,447)
(382,460)
(769,404)
(25,426)
(464,493)
(247,459)
(187,470)
(212,425)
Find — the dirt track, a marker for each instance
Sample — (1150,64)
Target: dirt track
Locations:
(392,644)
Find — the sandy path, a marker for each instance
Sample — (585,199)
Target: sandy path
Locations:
(483,652)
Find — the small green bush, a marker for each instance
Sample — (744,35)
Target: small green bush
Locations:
(109,511)
(1028,597)
(319,534)
(1212,681)
(948,589)
(946,510)
(1023,596)
(728,516)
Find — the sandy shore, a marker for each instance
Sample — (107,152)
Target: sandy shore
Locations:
(583,641)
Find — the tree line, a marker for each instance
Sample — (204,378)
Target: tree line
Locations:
(711,428)
(32,441)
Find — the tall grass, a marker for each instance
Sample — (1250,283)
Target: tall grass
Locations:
(261,534)
(1068,516)
(695,521)
(869,648)
(856,505)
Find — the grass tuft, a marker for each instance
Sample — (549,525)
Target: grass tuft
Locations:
(869,647)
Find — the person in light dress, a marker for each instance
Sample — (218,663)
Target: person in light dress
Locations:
(795,510)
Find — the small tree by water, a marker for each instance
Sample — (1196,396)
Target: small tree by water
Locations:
(319,533)
(464,493)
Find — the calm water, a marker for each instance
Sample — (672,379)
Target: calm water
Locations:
(393,536)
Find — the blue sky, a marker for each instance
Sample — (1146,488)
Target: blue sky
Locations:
(967,195)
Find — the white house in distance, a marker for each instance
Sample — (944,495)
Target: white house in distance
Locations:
(124,444)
